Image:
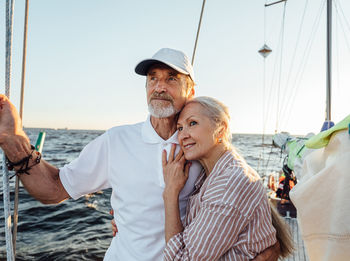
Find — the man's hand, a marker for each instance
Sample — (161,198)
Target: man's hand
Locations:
(269,254)
(114,225)
(12,137)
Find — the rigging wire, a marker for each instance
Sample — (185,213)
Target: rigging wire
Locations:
(262,151)
(337,47)
(280,71)
(15,208)
(341,24)
(6,182)
(306,54)
(283,108)
(344,17)
(339,17)
(269,108)
(197,36)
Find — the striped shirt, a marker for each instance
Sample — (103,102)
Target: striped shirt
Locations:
(228,216)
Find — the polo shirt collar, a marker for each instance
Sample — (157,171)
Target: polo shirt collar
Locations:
(149,135)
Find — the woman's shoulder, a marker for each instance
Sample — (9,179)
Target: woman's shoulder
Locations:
(239,186)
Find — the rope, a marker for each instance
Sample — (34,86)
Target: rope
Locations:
(6,182)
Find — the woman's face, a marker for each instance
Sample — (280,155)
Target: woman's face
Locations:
(196,132)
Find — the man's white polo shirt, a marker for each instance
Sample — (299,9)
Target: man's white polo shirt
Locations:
(129,159)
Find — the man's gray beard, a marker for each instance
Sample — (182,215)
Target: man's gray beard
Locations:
(161,112)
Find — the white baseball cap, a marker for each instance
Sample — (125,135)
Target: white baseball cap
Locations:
(173,58)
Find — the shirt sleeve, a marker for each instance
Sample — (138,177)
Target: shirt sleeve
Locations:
(89,172)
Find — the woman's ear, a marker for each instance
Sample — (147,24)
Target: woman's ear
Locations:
(222,129)
(220,132)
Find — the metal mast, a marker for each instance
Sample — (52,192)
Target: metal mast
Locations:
(329,60)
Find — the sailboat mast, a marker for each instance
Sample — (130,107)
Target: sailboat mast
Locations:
(329,60)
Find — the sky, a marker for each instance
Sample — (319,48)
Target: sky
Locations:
(81,57)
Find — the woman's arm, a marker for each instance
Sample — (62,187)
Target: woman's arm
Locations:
(175,173)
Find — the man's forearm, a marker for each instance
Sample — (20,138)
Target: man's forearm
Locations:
(43,181)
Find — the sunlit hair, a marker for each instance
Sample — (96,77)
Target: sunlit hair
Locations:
(189,82)
(219,114)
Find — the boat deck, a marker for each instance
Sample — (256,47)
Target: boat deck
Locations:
(300,251)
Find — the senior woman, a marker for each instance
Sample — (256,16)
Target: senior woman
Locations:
(228,215)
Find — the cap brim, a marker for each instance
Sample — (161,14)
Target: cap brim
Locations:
(143,66)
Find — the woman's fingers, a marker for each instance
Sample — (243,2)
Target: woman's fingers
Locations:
(164,161)
(187,169)
(172,152)
(179,155)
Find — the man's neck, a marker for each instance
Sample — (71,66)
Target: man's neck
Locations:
(165,127)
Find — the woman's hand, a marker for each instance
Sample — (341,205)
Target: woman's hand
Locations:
(175,172)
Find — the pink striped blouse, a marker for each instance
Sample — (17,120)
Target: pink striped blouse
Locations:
(228,216)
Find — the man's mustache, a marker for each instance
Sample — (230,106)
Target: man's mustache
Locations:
(164,96)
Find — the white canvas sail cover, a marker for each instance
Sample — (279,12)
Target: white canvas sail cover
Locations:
(322,199)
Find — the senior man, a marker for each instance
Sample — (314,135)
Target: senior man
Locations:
(124,158)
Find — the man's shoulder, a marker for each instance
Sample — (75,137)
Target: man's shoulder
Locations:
(125,128)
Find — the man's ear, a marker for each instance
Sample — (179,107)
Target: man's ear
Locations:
(191,93)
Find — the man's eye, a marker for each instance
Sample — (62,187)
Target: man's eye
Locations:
(180,128)
(192,123)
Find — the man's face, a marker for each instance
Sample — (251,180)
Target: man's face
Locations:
(166,91)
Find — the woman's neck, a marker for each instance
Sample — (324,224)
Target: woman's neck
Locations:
(208,161)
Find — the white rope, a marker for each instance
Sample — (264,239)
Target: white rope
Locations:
(6,182)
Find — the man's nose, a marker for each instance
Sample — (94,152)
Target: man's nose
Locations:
(160,86)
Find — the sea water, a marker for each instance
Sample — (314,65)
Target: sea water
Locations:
(80,229)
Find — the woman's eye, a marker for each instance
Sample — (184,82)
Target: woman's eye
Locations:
(179,128)
(172,78)
(192,123)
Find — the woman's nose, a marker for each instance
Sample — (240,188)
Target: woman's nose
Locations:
(183,135)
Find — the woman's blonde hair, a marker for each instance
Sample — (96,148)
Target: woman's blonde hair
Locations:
(283,234)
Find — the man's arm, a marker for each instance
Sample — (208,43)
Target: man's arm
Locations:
(43,183)
(269,254)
